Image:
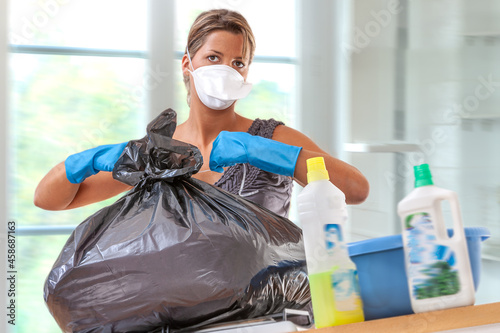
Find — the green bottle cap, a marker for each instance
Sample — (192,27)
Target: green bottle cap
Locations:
(423,175)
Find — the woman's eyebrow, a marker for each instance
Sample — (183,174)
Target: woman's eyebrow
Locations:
(222,54)
(217,52)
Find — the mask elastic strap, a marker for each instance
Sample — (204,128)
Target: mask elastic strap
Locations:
(189,57)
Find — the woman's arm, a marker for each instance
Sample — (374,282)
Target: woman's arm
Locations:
(343,175)
(55,192)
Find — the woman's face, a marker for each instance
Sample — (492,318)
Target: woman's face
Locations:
(220,48)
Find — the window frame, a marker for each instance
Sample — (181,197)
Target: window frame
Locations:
(4,135)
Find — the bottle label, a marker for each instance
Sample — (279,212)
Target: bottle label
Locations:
(344,281)
(333,237)
(432,269)
(345,289)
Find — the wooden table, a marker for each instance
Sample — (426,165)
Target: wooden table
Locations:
(434,321)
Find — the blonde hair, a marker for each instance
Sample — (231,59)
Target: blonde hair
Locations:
(213,20)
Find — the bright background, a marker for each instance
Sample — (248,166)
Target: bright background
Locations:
(401,82)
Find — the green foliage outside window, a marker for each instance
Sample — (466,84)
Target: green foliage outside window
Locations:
(60,106)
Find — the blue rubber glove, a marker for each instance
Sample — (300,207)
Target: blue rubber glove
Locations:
(89,162)
(231,148)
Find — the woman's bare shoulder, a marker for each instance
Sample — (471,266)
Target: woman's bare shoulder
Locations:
(291,136)
(243,123)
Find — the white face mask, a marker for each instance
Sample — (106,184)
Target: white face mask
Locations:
(219,86)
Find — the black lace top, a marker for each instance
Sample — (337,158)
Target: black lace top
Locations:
(267,189)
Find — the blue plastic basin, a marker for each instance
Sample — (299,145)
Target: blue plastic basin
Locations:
(382,277)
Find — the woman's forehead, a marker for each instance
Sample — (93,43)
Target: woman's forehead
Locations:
(225,42)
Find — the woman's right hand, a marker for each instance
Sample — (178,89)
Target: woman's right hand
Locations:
(89,162)
(78,181)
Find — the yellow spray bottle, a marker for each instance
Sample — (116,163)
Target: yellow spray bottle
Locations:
(332,275)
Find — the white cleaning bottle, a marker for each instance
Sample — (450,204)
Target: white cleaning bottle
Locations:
(437,266)
(332,275)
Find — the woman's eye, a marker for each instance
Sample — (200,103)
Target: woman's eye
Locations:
(239,64)
(213,58)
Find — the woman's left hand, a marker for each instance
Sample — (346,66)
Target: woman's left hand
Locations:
(230,148)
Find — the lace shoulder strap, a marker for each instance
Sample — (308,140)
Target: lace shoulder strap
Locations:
(264,128)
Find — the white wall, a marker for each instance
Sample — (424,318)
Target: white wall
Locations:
(430,76)
(453,90)
(323,72)
(374,60)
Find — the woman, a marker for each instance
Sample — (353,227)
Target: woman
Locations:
(258,158)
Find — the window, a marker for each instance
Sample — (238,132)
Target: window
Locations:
(76,82)
(78,72)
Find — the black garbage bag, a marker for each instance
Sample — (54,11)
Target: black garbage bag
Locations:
(174,252)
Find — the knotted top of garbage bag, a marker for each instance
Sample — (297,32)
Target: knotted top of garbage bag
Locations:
(157,155)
